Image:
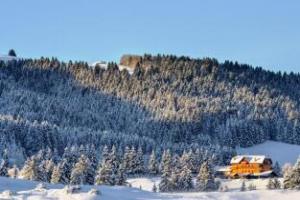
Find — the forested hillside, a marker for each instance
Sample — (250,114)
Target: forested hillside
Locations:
(168,102)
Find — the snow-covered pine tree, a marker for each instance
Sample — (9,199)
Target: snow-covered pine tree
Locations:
(67,163)
(55,157)
(251,187)
(80,171)
(243,187)
(165,184)
(273,184)
(153,164)
(140,168)
(90,173)
(30,169)
(198,158)
(82,150)
(45,165)
(206,179)
(48,154)
(74,155)
(93,158)
(13,172)
(276,183)
(154,188)
(113,162)
(185,179)
(277,169)
(4,164)
(104,174)
(132,161)
(121,176)
(175,174)
(185,160)
(56,174)
(105,154)
(66,170)
(126,159)
(292,179)
(49,166)
(193,161)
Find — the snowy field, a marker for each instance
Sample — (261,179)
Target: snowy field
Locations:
(142,187)
(21,189)
(278,151)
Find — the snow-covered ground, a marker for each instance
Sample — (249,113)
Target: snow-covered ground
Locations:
(233,185)
(278,151)
(21,189)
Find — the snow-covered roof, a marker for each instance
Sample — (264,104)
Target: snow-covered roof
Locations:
(257,159)
(236,159)
(222,168)
(250,158)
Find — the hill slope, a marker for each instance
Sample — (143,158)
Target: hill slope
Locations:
(280,152)
(167,102)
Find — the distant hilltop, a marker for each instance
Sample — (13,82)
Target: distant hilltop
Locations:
(130,60)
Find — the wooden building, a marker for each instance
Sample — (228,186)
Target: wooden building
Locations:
(249,166)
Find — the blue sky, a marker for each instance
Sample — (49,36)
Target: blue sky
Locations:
(259,32)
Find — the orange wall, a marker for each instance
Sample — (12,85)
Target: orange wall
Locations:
(248,168)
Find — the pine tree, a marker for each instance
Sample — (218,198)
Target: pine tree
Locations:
(49,166)
(193,161)
(105,154)
(12,52)
(175,180)
(277,169)
(153,164)
(273,184)
(205,178)
(132,161)
(165,184)
(277,184)
(90,173)
(4,164)
(113,163)
(121,176)
(42,174)
(176,172)
(56,174)
(251,187)
(154,188)
(140,169)
(126,160)
(65,169)
(243,187)
(292,179)
(30,169)
(80,171)
(60,171)
(104,174)
(185,179)
(93,159)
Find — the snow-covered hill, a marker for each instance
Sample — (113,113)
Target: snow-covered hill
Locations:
(6,58)
(278,151)
(21,189)
(103,65)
